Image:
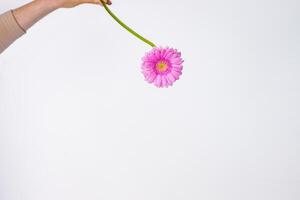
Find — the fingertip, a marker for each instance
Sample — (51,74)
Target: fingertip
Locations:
(101,2)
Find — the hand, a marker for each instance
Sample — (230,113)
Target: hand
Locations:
(73,3)
(32,12)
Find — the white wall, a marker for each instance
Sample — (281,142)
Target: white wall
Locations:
(77,121)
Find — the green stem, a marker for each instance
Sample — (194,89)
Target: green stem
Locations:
(125,26)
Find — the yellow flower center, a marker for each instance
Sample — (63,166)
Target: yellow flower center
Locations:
(161,66)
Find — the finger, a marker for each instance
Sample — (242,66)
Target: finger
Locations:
(108,2)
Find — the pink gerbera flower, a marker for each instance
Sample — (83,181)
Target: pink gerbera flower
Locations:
(162,66)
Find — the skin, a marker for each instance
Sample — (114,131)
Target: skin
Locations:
(32,12)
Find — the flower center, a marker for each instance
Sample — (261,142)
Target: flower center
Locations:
(161,66)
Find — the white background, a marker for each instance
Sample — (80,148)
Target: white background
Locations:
(77,120)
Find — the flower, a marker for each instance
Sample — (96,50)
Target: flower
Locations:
(162,66)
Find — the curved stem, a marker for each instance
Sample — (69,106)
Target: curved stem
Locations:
(125,26)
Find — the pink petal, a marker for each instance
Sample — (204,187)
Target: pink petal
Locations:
(151,78)
(177,68)
(164,81)
(158,81)
(176,74)
(171,78)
